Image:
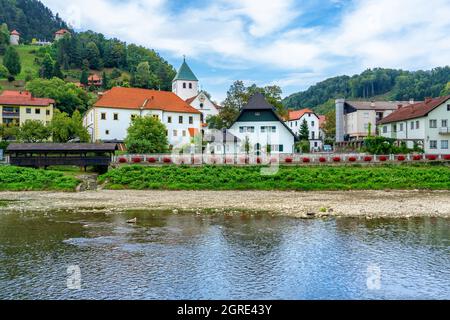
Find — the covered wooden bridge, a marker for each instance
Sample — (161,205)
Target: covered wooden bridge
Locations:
(43,155)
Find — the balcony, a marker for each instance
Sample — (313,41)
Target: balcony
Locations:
(444,130)
(10,114)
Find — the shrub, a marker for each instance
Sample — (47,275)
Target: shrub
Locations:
(352,159)
(417,157)
(383,158)
(288,160)
(432,157)
(401,158)
(306,160)
(151,160)
(323,159)
(337,159)
(122,160)
(167,160)
(367,158)
(136,160)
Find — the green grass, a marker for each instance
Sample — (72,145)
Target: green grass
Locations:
(27,179)
(287,178)
(27,57)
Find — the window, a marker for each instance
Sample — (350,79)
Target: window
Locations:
(167,132)
(37,111)
(191,120)
(433,144)
(47,112)
(28,110)
(412,125)
(295,123)
(184,85)
(444,123)
(180,119)
(316,144)
(291,124)
(265,129)
(312,123)
(201,105)
(116,116)
(433,123)
(366,126)
(169,119)
(384,129)
(133,116)
(281,148)
(103,116)
(155,116)
(184,133)
(175,133)
(313,135)
(444,144)
(401,127)
(417,124)
(448,107)
(190,85)
(107,132)
(366,115)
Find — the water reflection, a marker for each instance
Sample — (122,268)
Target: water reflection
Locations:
(221,256)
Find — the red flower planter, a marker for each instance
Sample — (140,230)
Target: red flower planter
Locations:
(258,160)
(274,160)
(322,159)
(136,160)
(229,160)
(244,160)
(122,160)
(337,159)
(367,159)
(306,160)
(417,158)
(383,158)
(352,159)
(401,158)
(447,157)
(167,160)
(151,160)
(288,160)
(432,157)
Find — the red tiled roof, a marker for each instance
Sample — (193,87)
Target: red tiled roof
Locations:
(413,111)
(23,98)
(134,98)
(190,100)
(193,132)
(297,114)
(62,31)
(15,33)
(94,77)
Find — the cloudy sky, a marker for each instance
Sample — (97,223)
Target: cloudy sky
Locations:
(291,43)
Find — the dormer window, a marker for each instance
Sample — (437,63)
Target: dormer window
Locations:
(184,85)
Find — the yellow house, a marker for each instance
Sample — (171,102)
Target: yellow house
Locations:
(16,107)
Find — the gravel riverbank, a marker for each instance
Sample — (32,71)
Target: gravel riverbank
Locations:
(295,204)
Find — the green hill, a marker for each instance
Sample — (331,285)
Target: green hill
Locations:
(377,84)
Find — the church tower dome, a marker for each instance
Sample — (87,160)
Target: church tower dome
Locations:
(185,83)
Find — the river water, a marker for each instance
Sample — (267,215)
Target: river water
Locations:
(85,255)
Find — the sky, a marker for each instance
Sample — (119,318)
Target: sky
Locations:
(290,43)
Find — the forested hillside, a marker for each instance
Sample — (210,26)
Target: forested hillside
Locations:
(31,18)
(387,84)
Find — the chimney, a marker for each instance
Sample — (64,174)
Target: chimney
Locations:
(411,101)
(372,104)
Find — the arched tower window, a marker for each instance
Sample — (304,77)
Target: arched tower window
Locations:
(184,85)
(190,85)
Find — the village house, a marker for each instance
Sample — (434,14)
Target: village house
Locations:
(16,107)
(95,80)
(61,33)
(261,128)
(296,119)
(355,118)
(221,142)
(111,115)
(14,38)
(424,124)
(185,85)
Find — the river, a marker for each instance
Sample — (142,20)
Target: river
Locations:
(86,255)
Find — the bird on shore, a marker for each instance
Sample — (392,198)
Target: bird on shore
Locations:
(132,220)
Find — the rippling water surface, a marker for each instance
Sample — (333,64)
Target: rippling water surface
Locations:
(185,256)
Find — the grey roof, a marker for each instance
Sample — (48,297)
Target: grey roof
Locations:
(376,105)
(62,147)
(218,137)
(258,102)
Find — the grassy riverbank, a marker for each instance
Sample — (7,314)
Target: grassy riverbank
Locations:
(287,178)
(21,179)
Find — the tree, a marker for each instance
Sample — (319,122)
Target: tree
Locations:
(11,60)
(3,71)
(92,54)
(237,96)
(143,78)
(57,70)
(105,81)
(64,128)
(84,78)
(33,131)
(303,133)
(4,38)
(446,90)
(330,124)
(247,145)
(146,135)
(47,67)
(115,74)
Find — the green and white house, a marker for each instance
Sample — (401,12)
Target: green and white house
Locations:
(260,129)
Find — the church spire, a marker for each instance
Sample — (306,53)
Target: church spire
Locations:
(185,72)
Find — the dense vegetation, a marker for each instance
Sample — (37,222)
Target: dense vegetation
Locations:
(146,135)
(288,178)
(31,18)
(387,84)
(25,179)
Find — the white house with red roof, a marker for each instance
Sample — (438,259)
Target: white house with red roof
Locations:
(61,33)
(426,124)
(111,115)
(296,119)
(14,38)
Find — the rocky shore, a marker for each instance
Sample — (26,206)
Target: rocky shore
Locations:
(369,204)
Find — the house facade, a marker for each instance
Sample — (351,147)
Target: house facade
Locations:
(14,38)
(16,107)
(111,115)
(259,127)
(203,103)
(61,33)
(296,119)
(425,124)
(355,118)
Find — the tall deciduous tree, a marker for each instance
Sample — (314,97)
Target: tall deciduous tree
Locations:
(11,61)
(33,131)
(146,135)
(65,128)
